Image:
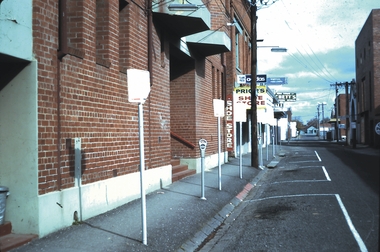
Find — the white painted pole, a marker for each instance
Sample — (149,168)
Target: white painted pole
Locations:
(219,163)
(273,142)
(241,150)
(260,147)
(266,141)
(142,169)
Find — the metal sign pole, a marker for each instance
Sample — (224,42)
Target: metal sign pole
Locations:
(219,112)
(273,144)
(260,147)
(142,169)
(241,150)
(240,116)
(138,91)
(266,141)
(219,163)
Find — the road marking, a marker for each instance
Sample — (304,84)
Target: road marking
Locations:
(358,239)
(355,233)
(307,180)
(326,174)
(316,153)
(308,161)
(289,196)
(300,181)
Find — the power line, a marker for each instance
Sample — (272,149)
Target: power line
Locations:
(326,74)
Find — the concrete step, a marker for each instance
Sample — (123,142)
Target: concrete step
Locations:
(183,174)
(10,241)
(6,228)
(180,171)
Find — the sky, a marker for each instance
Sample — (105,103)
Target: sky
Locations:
(320,40)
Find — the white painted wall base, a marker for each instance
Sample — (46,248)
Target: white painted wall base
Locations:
(211,161)
(56,209)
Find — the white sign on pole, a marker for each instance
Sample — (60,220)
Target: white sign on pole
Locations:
(138,85)
(240,112)
(218,107)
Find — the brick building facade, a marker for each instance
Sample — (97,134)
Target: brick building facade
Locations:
(66,86)
(367,53)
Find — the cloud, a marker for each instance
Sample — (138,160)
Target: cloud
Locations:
(312,77)
(320,38)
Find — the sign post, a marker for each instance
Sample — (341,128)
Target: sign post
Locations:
(259,139)
(138,91)
(202,147)
(219,112)
(241,116)
(273,143)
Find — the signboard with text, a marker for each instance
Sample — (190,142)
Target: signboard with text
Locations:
(229,123)
(286,97)
(243,95)
(245,79)
(218,107)
(277,80)
(138,85)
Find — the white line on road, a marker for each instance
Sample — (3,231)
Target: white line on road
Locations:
(355,233)
(326,174)
(289,196)
(307,161)
(316,153)
(358,239)
(300,181)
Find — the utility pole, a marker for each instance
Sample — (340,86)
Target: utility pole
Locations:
(323,117)
(353,83)
(319,133)
(345,84)
(347,112)
(254,150)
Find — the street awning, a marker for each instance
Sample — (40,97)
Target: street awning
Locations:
(209,42)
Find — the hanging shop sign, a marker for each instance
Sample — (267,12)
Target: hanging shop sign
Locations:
(277,80)
(229,123)
(286,97)
(246,78)
(243,95)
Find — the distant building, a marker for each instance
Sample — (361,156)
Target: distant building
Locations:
(339,126)
(311,130)
(366,114)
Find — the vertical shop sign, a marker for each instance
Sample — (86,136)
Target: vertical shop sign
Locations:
(229,123)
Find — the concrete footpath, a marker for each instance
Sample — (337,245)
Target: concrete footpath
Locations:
(177,218)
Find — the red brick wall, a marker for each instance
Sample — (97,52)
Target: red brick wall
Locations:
(93,98)
(75,16)
(183,114)
(192,114)
(367,53)
(376,63)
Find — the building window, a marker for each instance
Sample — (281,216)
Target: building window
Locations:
(102,33)
(238,33)
(237,49)
(124,23)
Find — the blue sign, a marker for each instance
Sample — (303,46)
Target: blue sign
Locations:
(246,78)
(277,80)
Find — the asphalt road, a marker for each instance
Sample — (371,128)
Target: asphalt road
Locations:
(322,196)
